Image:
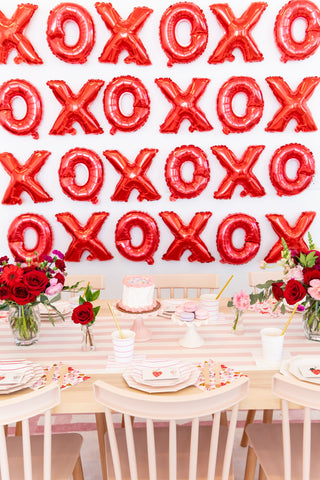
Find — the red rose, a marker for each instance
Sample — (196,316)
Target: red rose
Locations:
(4,293)
(83,313)
(21,295)
(60,278)
(60,264)
(310,274)
(294,292)
(277,290)
(36,281)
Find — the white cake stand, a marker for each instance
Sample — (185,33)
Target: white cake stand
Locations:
(191,339)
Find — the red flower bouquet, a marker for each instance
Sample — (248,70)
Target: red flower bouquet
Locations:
(299,285)
(23,285)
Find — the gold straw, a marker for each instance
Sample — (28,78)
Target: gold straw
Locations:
(289,319)
(224,287)
(116,321)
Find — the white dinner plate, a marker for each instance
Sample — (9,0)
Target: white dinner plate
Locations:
(184,372)
(33,372)
(295,363)
(162,389)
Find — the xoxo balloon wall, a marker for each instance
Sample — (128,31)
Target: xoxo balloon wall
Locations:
(163,136)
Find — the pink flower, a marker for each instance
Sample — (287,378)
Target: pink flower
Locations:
(295,273)
(241,300)
(314,290)
(54,288)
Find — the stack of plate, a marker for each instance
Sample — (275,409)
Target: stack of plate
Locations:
(303,367)
(18,374)
(48,313)
(185,374)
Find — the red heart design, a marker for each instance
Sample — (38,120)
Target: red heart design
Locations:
(157,374)
(1,378)
(316,371)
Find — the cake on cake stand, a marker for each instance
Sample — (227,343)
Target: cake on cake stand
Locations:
(191,339)
(143,333)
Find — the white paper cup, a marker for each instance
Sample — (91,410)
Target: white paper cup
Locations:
(209,302)
(272,345)
(123,347)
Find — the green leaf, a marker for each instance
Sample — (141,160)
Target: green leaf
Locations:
(230,303)
(81,300)
(310,241)
(96,310)
(95,295)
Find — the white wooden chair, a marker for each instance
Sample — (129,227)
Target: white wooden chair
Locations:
(287,451)
(37,457)
(97,282)
(185,285)
(170,451)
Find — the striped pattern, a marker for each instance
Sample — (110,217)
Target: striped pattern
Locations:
(62,341)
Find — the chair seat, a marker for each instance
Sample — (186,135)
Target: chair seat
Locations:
(65,452)
(162,448)
(267,441)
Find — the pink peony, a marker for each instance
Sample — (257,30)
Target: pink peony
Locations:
(241,300)
(314,289)
(295,273)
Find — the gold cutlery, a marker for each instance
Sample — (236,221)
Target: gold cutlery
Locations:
(63,370)
(50,375)
(206,374)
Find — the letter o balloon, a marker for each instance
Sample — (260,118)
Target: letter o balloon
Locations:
(17,232)
(29,123)
(289,47)
(228,252)
(67,174)
(187,12)
(112,104)
(150,240)
(59,16)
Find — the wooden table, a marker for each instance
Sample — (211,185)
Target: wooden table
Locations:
(62,343)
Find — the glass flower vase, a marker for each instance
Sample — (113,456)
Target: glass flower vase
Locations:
(238,325)
(25,323)
(87,339)
(311,324)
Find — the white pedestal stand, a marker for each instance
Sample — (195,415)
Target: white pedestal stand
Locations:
(191,339)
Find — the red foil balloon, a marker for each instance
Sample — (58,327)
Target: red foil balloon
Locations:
(12,35)
(150,240)
(184,105)
(133,175)
(187,237)
(183,11)
(231,122)
(180,188)
(112,107)
(84,237)
(67,174)
(22,178)
(293,104)
(17,231)
(124,34)
(290,48)
(237,33)
(292,235)
(239,172)
(29,123)
(59,16)
(228,252)
(305,172)
(75,107)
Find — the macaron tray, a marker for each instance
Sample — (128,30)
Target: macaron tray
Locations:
(190,311)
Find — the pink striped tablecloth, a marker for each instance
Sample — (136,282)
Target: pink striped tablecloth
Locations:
(62,342)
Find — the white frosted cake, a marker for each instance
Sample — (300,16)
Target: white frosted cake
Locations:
(138,293)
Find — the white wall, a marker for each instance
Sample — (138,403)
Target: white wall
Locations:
(149,137)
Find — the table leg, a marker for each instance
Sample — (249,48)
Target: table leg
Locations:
(101,430)
(249,419)
(250,465)
(267,418)
(18,430)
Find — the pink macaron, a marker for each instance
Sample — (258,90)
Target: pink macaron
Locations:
(201,314)
(190,307)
